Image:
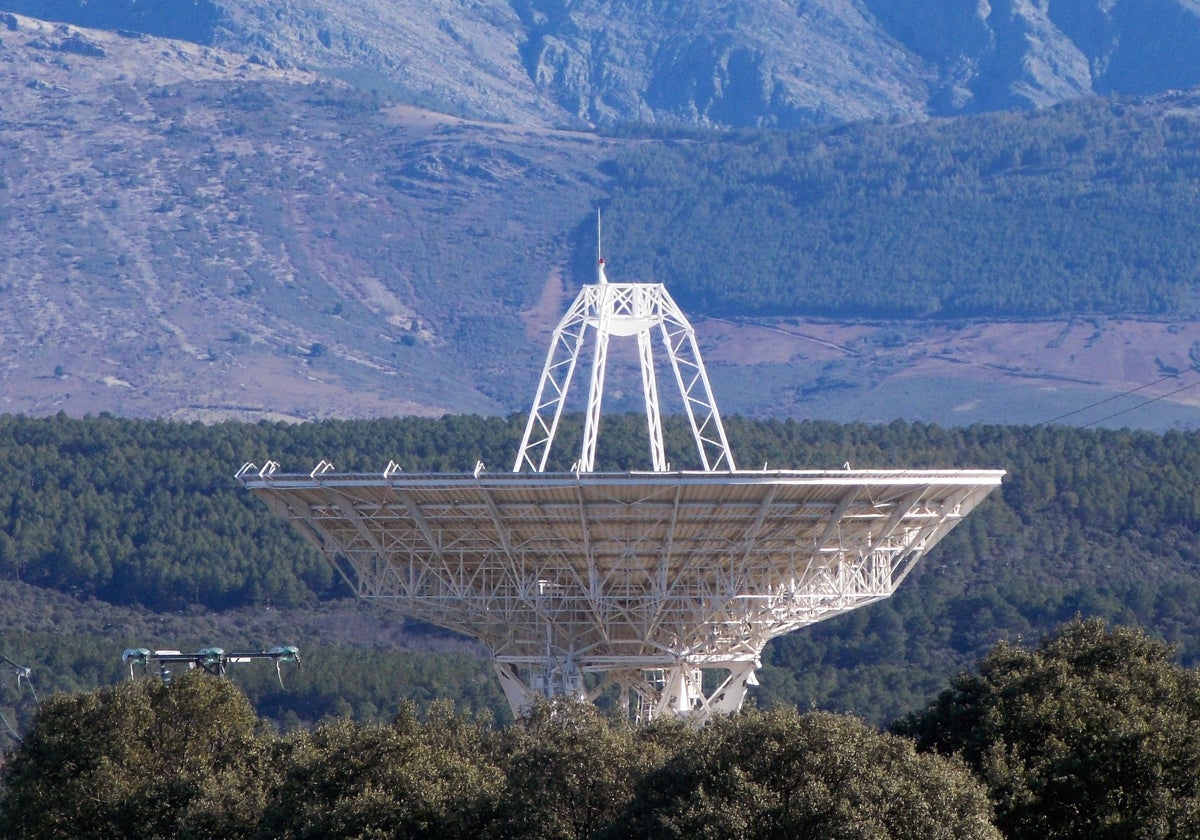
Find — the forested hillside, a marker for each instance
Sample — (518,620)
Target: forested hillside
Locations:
(144,519)
(1087,207)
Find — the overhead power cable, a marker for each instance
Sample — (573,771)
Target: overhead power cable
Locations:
(1118,396)
(1141,405)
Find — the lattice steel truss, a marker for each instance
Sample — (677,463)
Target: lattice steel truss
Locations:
(606,310)
(583,582)
(645,579)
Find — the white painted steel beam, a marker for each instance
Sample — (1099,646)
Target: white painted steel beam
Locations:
(623,310)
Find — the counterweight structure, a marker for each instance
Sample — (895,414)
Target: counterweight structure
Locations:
(581,583)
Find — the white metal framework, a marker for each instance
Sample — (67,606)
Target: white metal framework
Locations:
(645,579)
(580,583)
(624,310)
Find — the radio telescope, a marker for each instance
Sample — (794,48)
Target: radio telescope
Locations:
(639,583)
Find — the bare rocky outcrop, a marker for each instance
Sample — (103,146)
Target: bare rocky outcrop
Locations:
(587,63)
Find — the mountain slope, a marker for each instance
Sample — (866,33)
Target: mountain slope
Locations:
(572,63)
(191,233)
(179,220)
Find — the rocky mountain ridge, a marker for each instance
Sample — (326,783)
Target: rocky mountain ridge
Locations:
(587,63)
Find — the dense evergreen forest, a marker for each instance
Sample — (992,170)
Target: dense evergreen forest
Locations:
(1086,207)
(122,533)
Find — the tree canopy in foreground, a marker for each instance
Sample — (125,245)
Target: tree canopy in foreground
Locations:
(187,760)
(1093,733)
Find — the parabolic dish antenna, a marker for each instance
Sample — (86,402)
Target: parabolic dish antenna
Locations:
(585,582)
